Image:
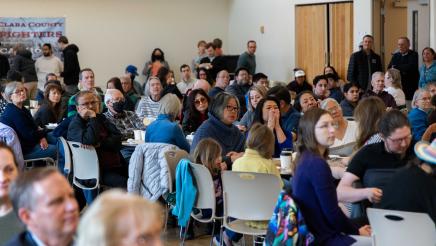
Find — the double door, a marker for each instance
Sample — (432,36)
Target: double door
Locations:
(324,37)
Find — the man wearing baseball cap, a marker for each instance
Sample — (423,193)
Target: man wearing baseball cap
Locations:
(132,71)
(413,188)
(299,84)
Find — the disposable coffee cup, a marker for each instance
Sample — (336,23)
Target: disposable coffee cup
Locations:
(285,159)
(33,103)
(137,134)
(142,135)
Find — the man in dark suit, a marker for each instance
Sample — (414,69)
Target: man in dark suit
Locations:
(363,64)
(406,60)
(45,203)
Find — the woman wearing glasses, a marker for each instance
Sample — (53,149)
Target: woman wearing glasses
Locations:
(313,186)
(421,105)
(32,139)
(223,113)
(198,103)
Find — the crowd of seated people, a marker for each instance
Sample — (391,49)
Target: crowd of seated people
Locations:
(239,125)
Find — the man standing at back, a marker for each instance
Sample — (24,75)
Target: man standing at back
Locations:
(45,203)
(47,63)
(71,65)
(363,64)
(248,59)
(406,60)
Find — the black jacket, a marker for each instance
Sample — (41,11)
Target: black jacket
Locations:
(4,66)
(362,66)
(71,65)
(408,66)
(23,239)
(24,64)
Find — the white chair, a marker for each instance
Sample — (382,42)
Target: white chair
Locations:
(67,156)
(85,165)
(173,157)
(248,197)
(390,227)
(205,196)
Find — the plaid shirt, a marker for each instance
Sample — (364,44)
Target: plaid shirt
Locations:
(126,123)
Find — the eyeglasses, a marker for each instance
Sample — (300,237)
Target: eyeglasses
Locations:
(400,140)
(232,108)
(199,101)
(19,91)
(88,104)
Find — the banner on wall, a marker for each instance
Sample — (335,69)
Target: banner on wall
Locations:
(31,32)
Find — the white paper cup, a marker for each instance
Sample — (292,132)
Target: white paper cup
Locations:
(137,134)
(285,160)
(142,135)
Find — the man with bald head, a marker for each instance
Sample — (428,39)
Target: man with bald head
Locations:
(201,84)
(222,81)
(125,121)
(406,60)
(45,203)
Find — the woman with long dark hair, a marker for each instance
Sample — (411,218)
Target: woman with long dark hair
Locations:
(268,113)
(198,103)
(313,187)
(51,110)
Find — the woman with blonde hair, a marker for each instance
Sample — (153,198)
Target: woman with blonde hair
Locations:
(255,94)
(393,87)
(117,218)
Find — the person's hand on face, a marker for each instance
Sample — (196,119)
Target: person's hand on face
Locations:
(271,119)
(87,113)
(277,118)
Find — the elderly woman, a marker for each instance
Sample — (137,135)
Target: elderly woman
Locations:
(345,134)
(115,83)
(164,129)
(255,94)
(148,107)
(32,139)
(268,113)
(427,72)
(223,112)
(51,110)
(419,113)
(118,218)
(393,87)
(9,223)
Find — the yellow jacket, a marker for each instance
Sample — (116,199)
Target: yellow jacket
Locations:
(252,161)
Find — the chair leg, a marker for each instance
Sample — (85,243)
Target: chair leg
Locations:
(186,231)
(221,234)
(213,232)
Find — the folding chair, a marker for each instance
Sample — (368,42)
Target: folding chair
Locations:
(205,196)
(85,166)
(390,227)
(248,197)
(67,156)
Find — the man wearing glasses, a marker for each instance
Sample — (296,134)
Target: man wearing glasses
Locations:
(90,128)
(393,152)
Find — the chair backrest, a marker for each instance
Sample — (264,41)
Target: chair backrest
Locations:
(249,196)
(67,155)
(343,150)
(205,187)
(85,165)
(173,157)
(378,178)
(398,228)
(9,136)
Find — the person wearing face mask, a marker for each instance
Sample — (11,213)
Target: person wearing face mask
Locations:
(125,121)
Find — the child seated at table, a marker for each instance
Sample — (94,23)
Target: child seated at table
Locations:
(258,154)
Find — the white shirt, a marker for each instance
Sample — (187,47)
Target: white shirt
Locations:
(184,86)
(45,65)
(398,95)
(344,146)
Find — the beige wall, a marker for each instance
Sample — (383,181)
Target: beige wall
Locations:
(112,33)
